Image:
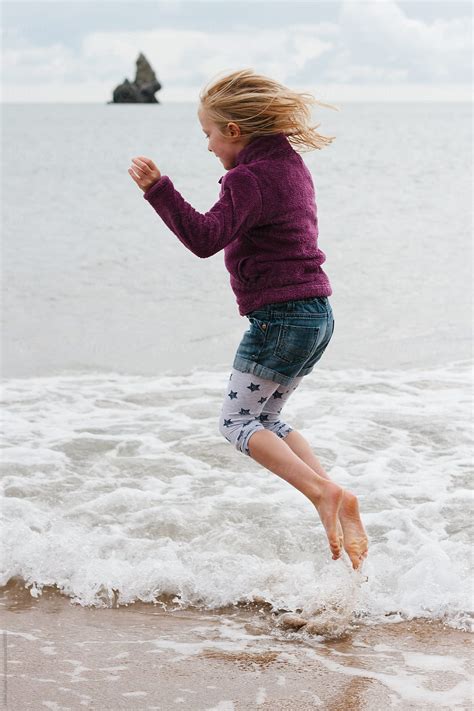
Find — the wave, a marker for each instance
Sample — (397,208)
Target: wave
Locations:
(120,488)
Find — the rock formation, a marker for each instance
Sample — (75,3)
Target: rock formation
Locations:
(142,89)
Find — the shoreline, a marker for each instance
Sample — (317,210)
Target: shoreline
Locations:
(60,655)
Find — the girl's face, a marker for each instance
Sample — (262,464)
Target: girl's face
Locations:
(224,147)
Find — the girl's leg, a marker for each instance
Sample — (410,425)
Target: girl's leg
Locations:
(350,524)
(273,405)
(241,424)
(274,454)
(302,448)
(266,401)
(355,537)
(253,403)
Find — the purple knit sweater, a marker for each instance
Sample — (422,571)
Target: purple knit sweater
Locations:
(265,221)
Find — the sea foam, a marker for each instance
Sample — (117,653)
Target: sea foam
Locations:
(118,489)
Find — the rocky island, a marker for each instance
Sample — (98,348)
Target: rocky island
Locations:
(142,90)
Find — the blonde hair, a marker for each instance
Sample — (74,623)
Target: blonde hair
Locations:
(261,106)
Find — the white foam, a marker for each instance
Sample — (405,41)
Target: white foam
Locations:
(119,489)
(407,686)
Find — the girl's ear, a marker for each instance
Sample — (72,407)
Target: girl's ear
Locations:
(233,129)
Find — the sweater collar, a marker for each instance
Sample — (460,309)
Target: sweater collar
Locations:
(262,147)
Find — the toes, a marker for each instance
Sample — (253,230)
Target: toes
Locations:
(336,550)
(356,560)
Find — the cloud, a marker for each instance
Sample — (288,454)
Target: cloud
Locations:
(178,56)
(370,43)
(182,59)
(379,41)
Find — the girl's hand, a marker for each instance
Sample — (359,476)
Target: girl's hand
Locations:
(144,172)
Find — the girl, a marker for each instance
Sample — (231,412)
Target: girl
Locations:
(266,222)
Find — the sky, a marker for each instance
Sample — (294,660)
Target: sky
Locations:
(344,50)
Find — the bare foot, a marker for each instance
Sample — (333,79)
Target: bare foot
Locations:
(327,504)
(340,533)
(355,538)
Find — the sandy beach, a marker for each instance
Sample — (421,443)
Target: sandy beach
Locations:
(58,655)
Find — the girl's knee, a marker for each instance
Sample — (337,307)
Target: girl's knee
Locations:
(224,427)
(279,428)
(238,432)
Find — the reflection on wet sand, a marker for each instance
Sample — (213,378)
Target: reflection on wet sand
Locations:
(142,657)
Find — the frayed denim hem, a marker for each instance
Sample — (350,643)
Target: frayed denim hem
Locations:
(249,366)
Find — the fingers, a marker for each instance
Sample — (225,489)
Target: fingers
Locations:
(135,173)
(138,174)
(144,163)
(146,160)
(144,172)
(141,165)
(145,169)
(138,179)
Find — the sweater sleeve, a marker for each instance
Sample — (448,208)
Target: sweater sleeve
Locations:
(239,208)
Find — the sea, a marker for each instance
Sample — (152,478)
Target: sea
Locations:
(117,343)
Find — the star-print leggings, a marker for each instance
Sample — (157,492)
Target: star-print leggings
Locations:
(252,403)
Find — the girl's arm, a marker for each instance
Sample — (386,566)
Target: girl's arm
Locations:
(239,207)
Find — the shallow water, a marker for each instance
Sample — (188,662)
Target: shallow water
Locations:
(123,487)
(93,280)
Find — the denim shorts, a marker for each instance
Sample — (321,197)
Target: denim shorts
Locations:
(285,339)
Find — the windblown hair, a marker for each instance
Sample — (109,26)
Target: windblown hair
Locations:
(261,106)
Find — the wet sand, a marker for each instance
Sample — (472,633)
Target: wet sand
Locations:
(58,655)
